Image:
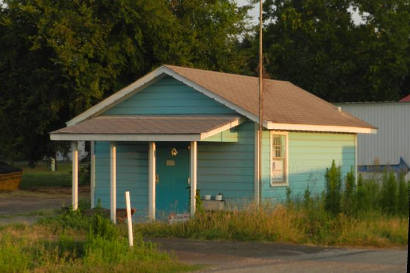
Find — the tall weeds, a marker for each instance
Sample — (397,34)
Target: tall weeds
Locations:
(369,213)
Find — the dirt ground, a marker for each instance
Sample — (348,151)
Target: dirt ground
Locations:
(254,257)
(26,206)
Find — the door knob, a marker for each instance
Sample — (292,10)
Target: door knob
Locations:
(156,178)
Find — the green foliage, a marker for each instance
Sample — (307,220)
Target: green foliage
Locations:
(294,224)
(198,202)
(41,176)
(388,199)
(103,249)
(403,197)
(350,195)
(333,196)
(61,57)
(317,45)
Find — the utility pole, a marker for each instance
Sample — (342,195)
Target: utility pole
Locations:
(260,102)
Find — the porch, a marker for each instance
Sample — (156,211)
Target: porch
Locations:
(168,152)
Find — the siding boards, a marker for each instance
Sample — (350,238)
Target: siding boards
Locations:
(132,175)
(168,97)
(228,167)
(392,140)
(309,156)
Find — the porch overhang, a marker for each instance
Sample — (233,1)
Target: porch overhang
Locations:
(146,128)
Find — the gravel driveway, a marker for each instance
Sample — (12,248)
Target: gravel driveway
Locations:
(25,206)
(258,257)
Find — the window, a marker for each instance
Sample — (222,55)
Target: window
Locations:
(279,159)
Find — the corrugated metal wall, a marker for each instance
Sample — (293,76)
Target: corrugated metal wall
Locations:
(392,140)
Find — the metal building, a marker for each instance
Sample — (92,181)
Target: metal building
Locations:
(392,140)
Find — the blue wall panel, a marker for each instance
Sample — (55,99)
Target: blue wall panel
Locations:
(168,97)
(309,156)
(132,175)
(228,167)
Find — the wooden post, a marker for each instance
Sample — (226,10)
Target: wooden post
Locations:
(74,157)
(256,168)
(129,220)
(113,180)
(92,173)
(151,180)
(193,176)
(260,98)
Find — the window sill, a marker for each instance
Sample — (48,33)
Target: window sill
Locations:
(279,184)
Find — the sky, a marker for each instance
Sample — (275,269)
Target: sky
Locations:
(254,13)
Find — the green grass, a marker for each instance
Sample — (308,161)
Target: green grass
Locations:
(74,242)
(41,176)
(288,224)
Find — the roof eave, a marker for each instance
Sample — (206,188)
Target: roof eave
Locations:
(320,128)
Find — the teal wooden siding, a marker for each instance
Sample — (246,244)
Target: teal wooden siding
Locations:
(168,97)
(309,156)
(132,175)
(228,167)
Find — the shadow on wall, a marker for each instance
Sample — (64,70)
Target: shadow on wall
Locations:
(314,178)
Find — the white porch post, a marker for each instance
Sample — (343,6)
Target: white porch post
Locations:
(193,175)
(113,180)
(151,180)
(74,157)
(92,173)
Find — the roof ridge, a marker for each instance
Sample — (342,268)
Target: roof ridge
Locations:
(170,66)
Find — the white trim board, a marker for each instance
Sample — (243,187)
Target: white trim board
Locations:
(319,128)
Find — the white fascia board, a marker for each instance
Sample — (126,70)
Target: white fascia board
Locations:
(118,137)
(222,128)
(140,84)
(319,128)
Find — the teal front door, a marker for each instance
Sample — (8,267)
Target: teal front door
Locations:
(172,188)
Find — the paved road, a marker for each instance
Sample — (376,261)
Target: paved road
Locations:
(247,257)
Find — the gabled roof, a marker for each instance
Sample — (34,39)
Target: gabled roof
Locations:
(406,99)
(286,106)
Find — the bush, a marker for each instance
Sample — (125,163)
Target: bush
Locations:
(349,195)
(333,189)
(389,194)
(403,197)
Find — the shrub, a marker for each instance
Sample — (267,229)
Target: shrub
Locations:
(349,195)
(389,193)
(403,198)
(333,189)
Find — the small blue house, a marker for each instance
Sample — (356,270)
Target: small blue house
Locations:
(180,129)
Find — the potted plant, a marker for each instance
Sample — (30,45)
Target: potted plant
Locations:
(219,197)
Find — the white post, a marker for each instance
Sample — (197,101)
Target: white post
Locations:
(92,173)
(193,176)
(356,160)
(74,156)
(129,220)
(113,179)
(151,180)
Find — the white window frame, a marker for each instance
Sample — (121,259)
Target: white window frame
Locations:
(286,181)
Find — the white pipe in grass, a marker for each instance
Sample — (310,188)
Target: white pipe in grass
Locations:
(129,220)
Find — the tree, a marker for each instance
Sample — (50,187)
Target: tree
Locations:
(317,45)
(60,57)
